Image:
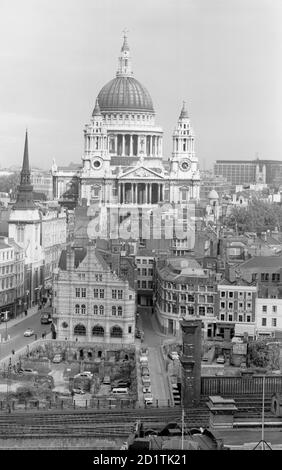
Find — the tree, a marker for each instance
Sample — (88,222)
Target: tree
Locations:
(258,217)
(10,183)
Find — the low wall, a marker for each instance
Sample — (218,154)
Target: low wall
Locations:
(232,386)
(59,443)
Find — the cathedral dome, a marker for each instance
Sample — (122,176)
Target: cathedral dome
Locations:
(125,94)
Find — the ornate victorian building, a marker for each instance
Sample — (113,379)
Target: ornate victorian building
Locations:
(123,161)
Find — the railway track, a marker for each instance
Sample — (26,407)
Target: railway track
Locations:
(110,423)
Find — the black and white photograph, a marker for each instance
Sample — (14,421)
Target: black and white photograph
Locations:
(140,229)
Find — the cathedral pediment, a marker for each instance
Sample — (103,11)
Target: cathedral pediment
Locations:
(141,172)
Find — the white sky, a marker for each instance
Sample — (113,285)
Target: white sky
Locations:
(222,56)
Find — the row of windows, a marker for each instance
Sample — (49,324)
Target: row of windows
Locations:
(230,305)
(230,317)
(145,272)
(273,322)
(144,261)
(274,308)
(275,277)
(99,293)
(201,288)
(127,116)
(145,284)
(9,283)
(98,330)
(98,309)
(7,298)
(231,294)
(6,255)
(7,269)
(190,309)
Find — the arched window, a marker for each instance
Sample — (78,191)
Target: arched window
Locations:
(83,309)
(114,310)
(119,311)
(95,309)
(101,308)
(98,330)
(116,332)
(77,308)
(80,330)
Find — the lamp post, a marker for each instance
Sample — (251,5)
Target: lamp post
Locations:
(6,320)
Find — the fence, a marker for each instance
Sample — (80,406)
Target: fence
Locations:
(232,386)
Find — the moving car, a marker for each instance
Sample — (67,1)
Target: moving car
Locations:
(144,360)
(220,360)
(173,355)
(45,319)
(148,399)
(57,358)
(29,332)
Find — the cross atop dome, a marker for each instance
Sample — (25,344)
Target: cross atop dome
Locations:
(125,46)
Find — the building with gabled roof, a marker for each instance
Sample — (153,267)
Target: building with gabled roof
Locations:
(91,302)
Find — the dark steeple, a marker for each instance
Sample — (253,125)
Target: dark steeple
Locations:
(25,189)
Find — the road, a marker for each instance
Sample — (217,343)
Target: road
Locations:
(159,378)
(16,332)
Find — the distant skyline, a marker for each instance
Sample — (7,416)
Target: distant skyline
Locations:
(223,57)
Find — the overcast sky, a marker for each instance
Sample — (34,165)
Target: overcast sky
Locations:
(222,56)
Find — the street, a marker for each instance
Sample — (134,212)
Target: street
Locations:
(16,332)
(159,378)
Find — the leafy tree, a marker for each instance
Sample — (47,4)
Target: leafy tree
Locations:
(258,217)
(10,182)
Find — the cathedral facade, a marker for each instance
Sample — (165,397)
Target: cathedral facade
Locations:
(123,162)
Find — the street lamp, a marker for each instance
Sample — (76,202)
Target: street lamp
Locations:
(6,320)
(263,443)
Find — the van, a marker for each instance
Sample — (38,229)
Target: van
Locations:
(107,380)
(120,391)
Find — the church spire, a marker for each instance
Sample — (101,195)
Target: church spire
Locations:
(124,61)
(25,173)
(25,189)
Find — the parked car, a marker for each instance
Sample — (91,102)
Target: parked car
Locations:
(145,371)
(87,374)
(78,391)
(173,355)
(147,389)
(146,380)
(123,383)
(29,332)
(205,357)
(27,371)
(57,358)
(107,380)
(144,352)
(137,334)
(220,360)
(148,399)
(143,360)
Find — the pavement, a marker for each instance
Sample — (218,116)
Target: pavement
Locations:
(16,321)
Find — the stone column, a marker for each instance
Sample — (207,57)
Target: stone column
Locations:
(146,194)
(116,143)
(159,191)
(132,193)
(123,145)
(131,145)
(136,193)
(123,189)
